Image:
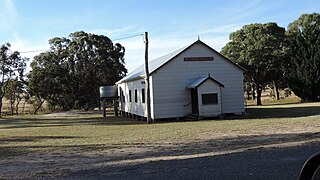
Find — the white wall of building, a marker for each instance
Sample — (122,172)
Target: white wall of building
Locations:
(169,82)
(209,87)
(169,96)
(137,108)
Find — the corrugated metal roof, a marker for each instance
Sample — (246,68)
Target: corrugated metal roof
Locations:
(153,65)
(160,61)
(196,82)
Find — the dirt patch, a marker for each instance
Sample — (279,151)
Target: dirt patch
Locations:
(48,162)
(71,113)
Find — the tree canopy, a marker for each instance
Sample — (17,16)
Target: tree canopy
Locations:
(259,48)
(69,75)
(12,65)
(302,67)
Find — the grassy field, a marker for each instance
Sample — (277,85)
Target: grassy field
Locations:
(89,139)
(89,129)
(270,101)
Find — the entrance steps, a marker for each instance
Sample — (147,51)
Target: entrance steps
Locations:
(192,117)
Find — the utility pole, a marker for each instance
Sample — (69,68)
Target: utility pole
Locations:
(146,67)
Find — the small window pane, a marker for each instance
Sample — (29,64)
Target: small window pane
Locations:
(209,98)
(130,96)
(122,96)
(143,96)
(135,95)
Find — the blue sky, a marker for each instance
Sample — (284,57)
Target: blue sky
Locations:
(29,24)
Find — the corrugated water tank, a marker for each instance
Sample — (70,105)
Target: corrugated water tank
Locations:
(108,91)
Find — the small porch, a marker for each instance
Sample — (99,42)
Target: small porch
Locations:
(206,97)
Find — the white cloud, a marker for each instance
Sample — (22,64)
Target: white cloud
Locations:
(116,33)
(245,11)
(22,45)
(228,28)
(26,48)
(107,32)
(8,13)
(217,42)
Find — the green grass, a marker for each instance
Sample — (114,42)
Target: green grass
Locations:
(289,100)
(93,130)
(42,146)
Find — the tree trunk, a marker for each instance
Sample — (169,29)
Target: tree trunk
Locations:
(12,106)
(276,90)
(248,94)
(0,107)
(36,110)
(24,105)
(247,89)
(17,105)
(99,104)
(41,102)
(259,91)
(253,92)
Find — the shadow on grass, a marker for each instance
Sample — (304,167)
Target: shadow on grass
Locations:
(13,139)
(11,123)
(262,112)
(281,112)
(264,164)
(135,160)
(20,150)
(252,113)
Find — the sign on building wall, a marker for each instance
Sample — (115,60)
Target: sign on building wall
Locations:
(198,59)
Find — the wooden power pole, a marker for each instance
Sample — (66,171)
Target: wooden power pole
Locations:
(146,67)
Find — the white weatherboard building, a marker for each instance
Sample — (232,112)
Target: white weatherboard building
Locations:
(194,79)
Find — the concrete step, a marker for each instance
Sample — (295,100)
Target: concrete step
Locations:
(191,117)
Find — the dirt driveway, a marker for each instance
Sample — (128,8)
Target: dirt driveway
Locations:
(96,161)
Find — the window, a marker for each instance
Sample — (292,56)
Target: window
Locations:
(130,100)
(135,95)
(122,96)
(208,99)
(143,94)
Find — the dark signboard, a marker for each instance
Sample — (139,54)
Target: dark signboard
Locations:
(198,59)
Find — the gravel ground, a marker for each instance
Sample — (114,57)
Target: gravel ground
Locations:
(281,161)
(264,163)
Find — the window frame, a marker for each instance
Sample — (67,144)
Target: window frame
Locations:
(143,95)
(136,95)
(122,97)
(206,100)
(130,96)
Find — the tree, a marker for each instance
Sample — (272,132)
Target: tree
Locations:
(74,69)
(11,65)
(49,80)
(302,69)
(94,61)
(259,48)
(15,89)
(14,93)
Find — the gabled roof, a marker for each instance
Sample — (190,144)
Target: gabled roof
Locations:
(196,83)
(159,62)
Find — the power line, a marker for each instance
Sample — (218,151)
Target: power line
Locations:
(128,37)
(40,50)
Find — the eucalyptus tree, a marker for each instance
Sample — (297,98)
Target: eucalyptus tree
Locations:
(260,49)
(74,68)
(49,80)
(94,61)
(11,66)
(302,69)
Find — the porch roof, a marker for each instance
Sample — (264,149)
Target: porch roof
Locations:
(197,82)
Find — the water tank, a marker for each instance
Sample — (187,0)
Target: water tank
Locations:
(108,91)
